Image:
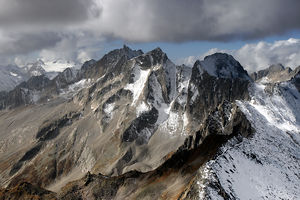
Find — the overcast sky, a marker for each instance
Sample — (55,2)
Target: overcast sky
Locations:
(82,29)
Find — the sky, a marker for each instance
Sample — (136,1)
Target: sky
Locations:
(257,33)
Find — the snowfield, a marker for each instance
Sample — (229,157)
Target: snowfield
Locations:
(267,165)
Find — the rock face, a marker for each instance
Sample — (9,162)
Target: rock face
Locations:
(109,62)
(132,125)
(217,79)
(296,79)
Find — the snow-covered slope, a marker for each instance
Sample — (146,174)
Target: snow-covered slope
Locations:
(267,165)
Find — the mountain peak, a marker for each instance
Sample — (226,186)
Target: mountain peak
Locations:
(276,68)
(88,63)
(153,57)
(158,49)
(222,65)
(157,53)
(125,46)
(35,68)
(118,53)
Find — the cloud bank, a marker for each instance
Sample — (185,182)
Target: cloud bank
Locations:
(28,26)
(257,56)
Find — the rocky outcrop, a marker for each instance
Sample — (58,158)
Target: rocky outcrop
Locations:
(26,191)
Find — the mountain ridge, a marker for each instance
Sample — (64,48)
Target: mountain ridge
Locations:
(135,125)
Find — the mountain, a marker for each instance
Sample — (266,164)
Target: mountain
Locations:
(35,69)
(10,76)
(62,82)
(134,125)
(274,73)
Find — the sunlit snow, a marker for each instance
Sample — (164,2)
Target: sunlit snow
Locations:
(266,165)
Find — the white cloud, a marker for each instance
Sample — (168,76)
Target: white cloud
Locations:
(257,56)
(77,48)
(83,56)
(261,55)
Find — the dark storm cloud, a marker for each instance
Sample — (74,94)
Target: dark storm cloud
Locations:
(26,43)
(43,12)
(140,21)
(221,20)
(32,25)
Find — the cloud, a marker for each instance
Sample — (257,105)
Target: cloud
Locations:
(257,56)
(41,25)
(43,14)
(261,55)
(213,20)
(27,42)
(34,26)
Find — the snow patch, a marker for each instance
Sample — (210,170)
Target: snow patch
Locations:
(195,92)
(140,78)
(13,74)
(79,85)
(141,108)
(171,125)
(109,108)
(72,89)
(185,120)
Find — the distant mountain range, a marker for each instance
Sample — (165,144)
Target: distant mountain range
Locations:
(12,75)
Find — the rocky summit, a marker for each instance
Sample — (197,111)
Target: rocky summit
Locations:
(134,125)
